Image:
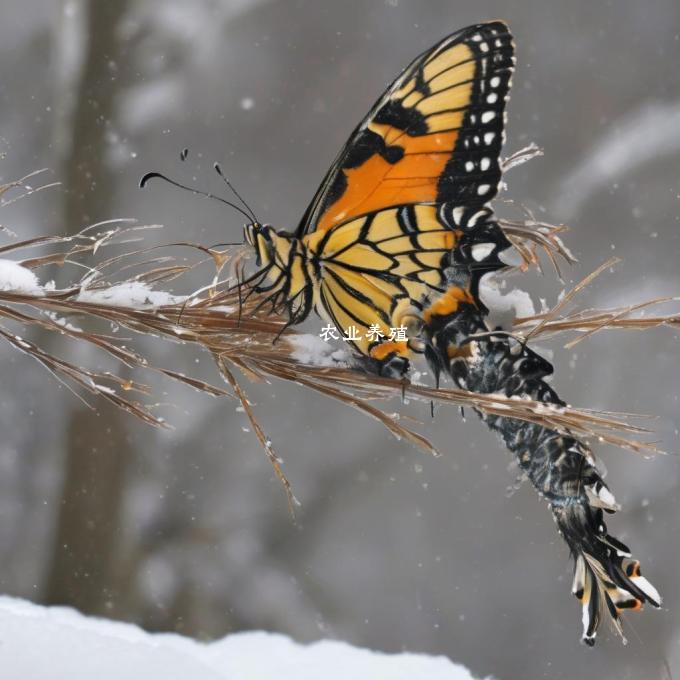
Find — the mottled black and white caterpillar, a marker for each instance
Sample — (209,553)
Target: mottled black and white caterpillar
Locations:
(607,579)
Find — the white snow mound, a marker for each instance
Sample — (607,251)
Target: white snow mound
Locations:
(14,277)
(136,294)
(311,349)
(504,308)
(51,643)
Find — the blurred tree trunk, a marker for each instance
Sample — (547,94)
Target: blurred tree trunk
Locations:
(97,450)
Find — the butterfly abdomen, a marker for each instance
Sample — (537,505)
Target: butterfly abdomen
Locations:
(607,580)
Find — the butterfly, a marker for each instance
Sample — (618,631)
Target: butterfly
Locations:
(396,232)
(399,235)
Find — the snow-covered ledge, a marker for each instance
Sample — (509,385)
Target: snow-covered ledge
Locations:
(51,643)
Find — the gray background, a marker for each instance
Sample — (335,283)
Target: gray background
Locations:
(188,530)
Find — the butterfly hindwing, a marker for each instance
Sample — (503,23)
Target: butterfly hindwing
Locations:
(434,136)
(374,267)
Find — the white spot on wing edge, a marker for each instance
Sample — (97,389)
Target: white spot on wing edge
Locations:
(481,250)
(647,588)
(473,220)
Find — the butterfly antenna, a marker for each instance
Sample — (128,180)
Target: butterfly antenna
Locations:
(218,170)
(157,175)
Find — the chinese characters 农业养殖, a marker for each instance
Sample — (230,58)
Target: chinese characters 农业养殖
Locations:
(373,333)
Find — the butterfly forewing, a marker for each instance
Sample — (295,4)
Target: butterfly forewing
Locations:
(434,137)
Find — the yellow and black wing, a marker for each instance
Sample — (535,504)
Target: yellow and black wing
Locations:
(434,137)
(378,268)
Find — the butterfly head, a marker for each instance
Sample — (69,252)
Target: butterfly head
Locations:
(262,238)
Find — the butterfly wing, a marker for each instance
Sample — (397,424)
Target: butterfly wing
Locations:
(378,268)
(434,136)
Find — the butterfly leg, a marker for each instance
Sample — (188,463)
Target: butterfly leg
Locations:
(389,359)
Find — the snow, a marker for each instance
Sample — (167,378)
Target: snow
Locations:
(504,308)
(41,643)
(311,349)
(14,277)
(129,294)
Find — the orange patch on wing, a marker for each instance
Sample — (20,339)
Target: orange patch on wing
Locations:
(635,607)
(449,240)
(384,349)
(377,184)
(455,352)
(448,303)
